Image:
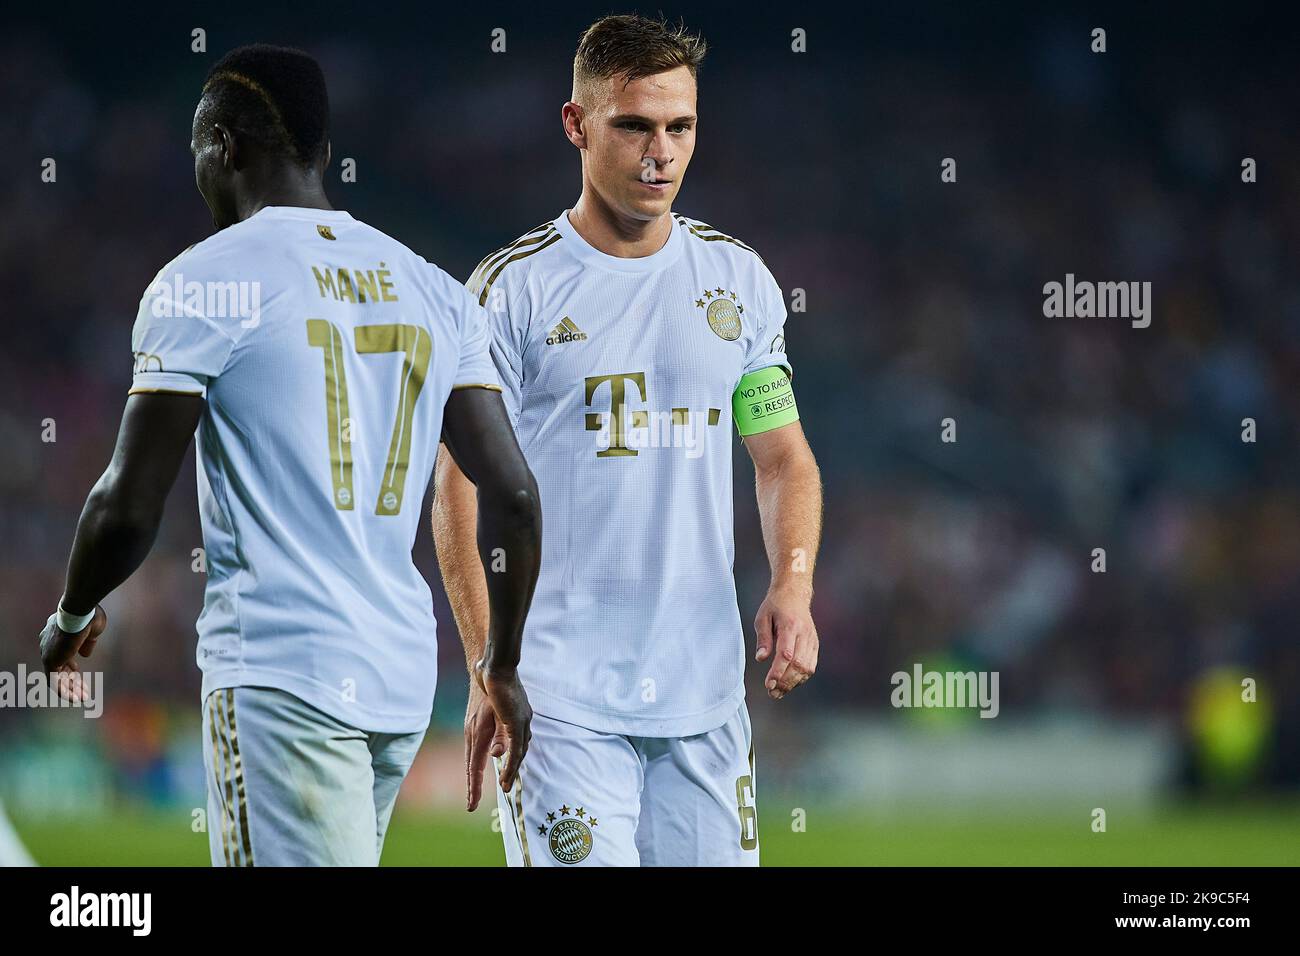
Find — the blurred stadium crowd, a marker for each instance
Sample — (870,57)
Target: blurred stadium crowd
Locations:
(923,302)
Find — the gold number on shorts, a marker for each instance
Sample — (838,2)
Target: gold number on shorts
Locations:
(417,345)
(748,813)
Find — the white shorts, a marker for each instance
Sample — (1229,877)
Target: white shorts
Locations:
(594,799)
(288,785)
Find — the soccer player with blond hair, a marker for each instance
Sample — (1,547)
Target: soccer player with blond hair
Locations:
(630,340)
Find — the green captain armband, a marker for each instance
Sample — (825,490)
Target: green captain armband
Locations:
(763,400)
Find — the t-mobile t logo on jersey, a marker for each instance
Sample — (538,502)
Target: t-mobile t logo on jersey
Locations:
(623,432)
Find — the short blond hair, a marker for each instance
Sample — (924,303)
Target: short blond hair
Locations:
(633,46)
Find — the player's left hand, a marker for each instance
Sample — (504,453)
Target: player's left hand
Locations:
(497,724)
(786,635)
(483,736)
(59,651)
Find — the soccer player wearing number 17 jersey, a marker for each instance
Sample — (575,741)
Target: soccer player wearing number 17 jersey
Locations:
(320,361)
(629,342)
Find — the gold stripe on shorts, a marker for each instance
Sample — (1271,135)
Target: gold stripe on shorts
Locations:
(521,823)
(228,822)
(242,798)
(516,807)
(216,775)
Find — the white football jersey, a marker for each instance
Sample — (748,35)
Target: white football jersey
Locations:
(326,351)
(619,374)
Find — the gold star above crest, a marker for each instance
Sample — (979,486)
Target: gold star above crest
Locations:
(733,296)
(719,291)
(540,828)
(550,818)
(699,303)
(579,812)
(708,293)
(592,821)
(564,811)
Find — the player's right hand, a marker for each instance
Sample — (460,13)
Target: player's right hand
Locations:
(497,722)
(59,651)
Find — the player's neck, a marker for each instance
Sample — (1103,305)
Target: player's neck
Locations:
(302,192)
(615,235)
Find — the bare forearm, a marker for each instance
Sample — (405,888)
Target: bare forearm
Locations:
(483,455)
(489,542)
(113,539)
(790,510)
(455,516)
(510,548)
(122,513)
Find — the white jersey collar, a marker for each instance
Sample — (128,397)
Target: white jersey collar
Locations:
(302,212)
(669,253)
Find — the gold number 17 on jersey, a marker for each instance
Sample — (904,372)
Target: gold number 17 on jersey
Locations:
(417,345)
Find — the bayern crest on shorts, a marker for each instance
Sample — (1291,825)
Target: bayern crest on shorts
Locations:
(570,836)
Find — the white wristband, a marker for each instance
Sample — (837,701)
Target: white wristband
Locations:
(72,623)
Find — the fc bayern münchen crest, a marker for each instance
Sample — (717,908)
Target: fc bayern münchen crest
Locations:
(723,310)
(570,834)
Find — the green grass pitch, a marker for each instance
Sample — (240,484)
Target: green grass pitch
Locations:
(1188,835)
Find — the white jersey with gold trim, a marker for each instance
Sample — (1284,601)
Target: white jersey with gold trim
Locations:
(326,351)
(619,375)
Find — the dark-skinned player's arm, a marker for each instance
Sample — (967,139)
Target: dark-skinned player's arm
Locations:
(118,524)
(789,488)
(490,605)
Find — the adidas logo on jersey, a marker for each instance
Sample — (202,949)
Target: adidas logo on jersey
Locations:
(566,331)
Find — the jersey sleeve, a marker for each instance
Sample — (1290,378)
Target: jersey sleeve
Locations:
(176,346)
(768,346)
(500,313)
(475,368)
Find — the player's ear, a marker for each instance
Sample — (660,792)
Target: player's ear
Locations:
(226,141)
(575,124)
